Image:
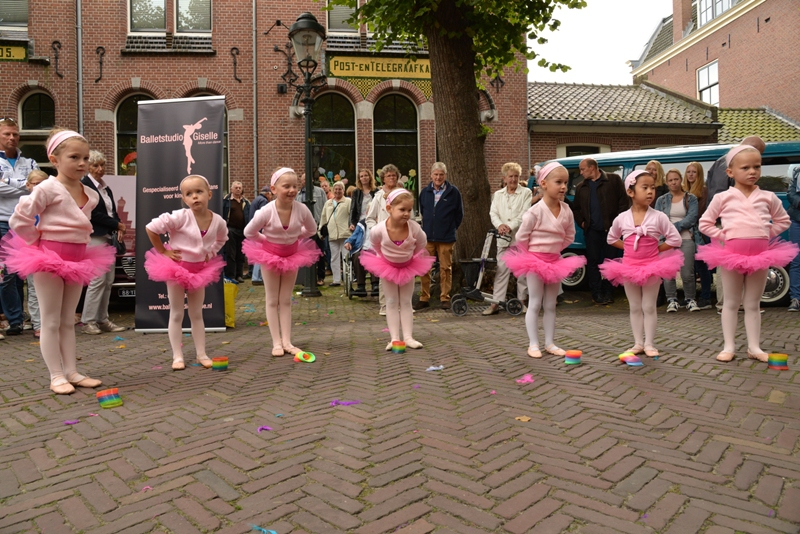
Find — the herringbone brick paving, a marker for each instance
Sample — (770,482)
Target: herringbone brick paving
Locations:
(683,444)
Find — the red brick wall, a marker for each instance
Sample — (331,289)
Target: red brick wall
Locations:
(759,67)
(508,140)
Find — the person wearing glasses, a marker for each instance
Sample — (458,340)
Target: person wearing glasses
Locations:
(14,171)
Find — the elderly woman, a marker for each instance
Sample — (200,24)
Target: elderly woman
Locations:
(336,218)
(508,206)
(105,223)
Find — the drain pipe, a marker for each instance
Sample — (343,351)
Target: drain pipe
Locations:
(255,98)
(79,61)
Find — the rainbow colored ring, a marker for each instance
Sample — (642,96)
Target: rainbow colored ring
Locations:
(778,362)
(109,398)
(304,356)
(219,364)
(573,357)
(398,347)
(630,359)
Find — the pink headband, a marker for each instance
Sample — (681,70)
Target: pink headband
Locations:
(59,138)
(631,178)
(547,169)
(394,194)
(196,176)
(280,172)
(735,150)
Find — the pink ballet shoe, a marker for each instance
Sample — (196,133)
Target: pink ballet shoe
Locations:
(84,381)
(651,352)
(760,356)
(291,349)
(412,343)
(205,361)
(61,386)
(552,349)
(178,365)
(534,352)
(389,347)
(636,349)
(725,356)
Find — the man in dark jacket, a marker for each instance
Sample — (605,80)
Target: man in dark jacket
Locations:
(599,198)
(236,212)
(442,212)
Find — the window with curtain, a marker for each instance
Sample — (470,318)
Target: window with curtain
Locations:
(194,15)
(337,17)
(38,112)
(148,15)
(127,124)
(333,137)
(14,12)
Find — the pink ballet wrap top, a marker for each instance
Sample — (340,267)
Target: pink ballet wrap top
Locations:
(60,217)
(758,216)
(655,224)
(541,231)
(185,234)
(266,225)
(397,263)
(383,245)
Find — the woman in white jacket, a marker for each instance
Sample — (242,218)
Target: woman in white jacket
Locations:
(508,206)
(336,219)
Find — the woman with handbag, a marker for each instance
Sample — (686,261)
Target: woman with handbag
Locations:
(106,229)
(334,223)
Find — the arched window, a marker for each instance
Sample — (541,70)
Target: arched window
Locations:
(38,116)
(395,128)
(333,136)
(127,123)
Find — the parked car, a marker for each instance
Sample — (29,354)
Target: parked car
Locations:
(776,161)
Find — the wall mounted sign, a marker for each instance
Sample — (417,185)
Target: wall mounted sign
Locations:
(379,67)
(13,53)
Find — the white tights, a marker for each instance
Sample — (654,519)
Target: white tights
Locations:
(398,309)
(753,285)
(278,288)
(175,293)
(58,301)
(541,295)
(642,300)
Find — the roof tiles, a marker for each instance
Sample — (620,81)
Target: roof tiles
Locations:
(739,123)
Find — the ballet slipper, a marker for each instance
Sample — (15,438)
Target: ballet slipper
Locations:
(636,349)
(534,352)
(760,356)
(725,356)
(412,343)
(61,386)
(277,350)
(84,381)
(651,352)
(389,347)
(552,349)
(178,365)
(291,349)
(205,361)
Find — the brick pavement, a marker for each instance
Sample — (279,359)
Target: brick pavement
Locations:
(681,445)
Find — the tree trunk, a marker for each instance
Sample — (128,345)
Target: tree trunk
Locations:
(458,127)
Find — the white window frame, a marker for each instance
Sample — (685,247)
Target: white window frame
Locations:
(708,10)
(204,33)
(708,85)
(153,31)
(561,150)
(30,137)
(328,21)
(17,27)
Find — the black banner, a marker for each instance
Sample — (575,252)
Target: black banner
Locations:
(175,138)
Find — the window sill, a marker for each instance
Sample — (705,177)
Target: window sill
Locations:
(163,44)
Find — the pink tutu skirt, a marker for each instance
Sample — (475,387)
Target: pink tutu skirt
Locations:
(549,266)
(281,258)
(747,256)
(191,275)
(397,273)
(642,265)
(76,263)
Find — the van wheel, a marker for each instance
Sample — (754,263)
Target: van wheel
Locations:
(578,278)
(776,292)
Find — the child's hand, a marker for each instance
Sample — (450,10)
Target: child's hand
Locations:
(174,255)
(348,246)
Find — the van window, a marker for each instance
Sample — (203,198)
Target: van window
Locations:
(680,166)
(575,177)
(776,172)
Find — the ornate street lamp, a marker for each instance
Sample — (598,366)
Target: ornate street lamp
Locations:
(307,35)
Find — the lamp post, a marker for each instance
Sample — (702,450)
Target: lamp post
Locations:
(307,35)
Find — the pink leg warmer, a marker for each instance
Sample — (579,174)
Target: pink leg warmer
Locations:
(58,302)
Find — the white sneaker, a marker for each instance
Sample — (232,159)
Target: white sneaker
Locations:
(672,306)
(382,310)
(692,306)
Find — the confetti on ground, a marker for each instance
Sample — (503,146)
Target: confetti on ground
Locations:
(119,338)
(493,392)
(278,415)
(28,360)
(74,422)
(265,323)
(435,368)
(155,367)
(523,418)
(146,488)
(226,342)
(352,320)
(326,353)
(337,402)
(251,323)
(34,343)
(385,330)
(263,530)
(434,320)
(120,346)
(187,335)
(264,428)
(526,379)
(249,308)
(416,386)
(196,365)
(330,312)
(92,415)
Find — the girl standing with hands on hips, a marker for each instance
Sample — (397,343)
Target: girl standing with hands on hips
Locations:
(277,239)
(637,232)
(547,228)
(397,256)
(189,263)
(744,247)
(55,251)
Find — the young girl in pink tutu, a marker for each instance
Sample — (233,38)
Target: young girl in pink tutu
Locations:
(547,228)
(188,263)
(743,248)
(55,251)
(645,262)
(398,255)
(277,239)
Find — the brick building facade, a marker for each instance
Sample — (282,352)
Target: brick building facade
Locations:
(175,49)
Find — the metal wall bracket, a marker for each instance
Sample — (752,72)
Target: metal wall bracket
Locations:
(497,83)
(56,46)
(234,53)
(100,51)
(289,76)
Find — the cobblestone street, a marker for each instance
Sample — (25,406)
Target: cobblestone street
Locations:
(683,444)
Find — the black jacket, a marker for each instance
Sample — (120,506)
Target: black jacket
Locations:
(611,194)
(440,221)
(102,224)
(355,206)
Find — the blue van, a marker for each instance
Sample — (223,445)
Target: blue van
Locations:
(777,160)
